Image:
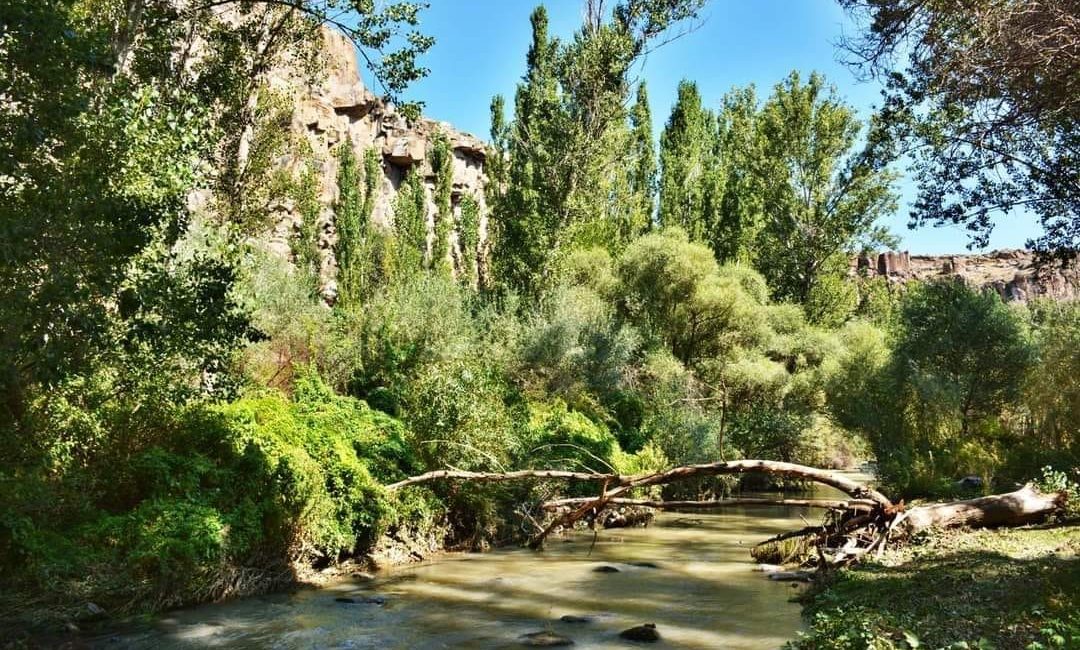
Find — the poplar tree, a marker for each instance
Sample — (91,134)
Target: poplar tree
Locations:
(686,163)
(526,209)
(735,193)
(568,183)
(642,164)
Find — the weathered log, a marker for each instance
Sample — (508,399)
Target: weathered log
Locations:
(854,504)
(622,484)
(862,523)
(496,477)
(1024,506)
(775,468)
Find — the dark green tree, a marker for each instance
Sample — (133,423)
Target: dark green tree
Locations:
(643,173)
(567,142)
(442,163)
(410,225)
(734,194)
(687,164)
(527,208)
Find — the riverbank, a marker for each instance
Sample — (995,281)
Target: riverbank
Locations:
(1003,589)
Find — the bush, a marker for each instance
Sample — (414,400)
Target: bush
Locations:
(261,483)
(563,439)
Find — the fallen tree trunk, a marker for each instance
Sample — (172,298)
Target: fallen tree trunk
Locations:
(849,487)
(621,483)
(854,504)
(495,477)
(1024,506)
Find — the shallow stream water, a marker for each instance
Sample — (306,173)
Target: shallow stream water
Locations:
(689,573)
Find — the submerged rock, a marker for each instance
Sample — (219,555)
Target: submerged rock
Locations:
(545,639)
(606,568)
(646,565)
(646,633)
(366,600)
(570,618)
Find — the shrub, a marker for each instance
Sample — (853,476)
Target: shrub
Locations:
(261,483)
(559,438)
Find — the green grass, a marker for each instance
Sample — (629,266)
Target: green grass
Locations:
(1003,589)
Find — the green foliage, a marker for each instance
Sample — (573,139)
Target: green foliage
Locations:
(937,402)
(1051,391)
(196,493)
(568,180)
(352,227)
(564,439)
(442,162)
(410,225)
(364,252)
(1052,481)
(306,244)
(687,164)
(672,289)
(468,233)
(819,199)
(642,170)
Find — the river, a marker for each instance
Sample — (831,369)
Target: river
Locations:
(688,573)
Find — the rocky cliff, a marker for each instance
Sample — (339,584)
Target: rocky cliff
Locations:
(1013,274)
(338,108)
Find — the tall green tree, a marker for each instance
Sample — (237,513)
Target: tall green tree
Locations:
(567,141)
(935,407)
(819,196)
(643,166)
(734,194)
(115,113)
(442,163)
(364,251)
(525,212)
(687,164)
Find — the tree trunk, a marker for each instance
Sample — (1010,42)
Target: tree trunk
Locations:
(829,504)
(1024,506)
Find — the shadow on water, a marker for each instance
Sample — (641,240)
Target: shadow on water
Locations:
(693,579)
(701,593)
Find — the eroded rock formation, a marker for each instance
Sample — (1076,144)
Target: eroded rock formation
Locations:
(338,108)
(1013,274)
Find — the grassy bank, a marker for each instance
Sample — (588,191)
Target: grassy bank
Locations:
(1003,589)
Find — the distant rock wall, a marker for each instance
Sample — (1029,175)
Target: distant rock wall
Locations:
(339,107)
(1013,274)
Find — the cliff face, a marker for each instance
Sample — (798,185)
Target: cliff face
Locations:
(1013,274)
(339,108)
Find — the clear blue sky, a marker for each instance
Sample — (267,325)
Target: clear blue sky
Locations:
(481,44)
